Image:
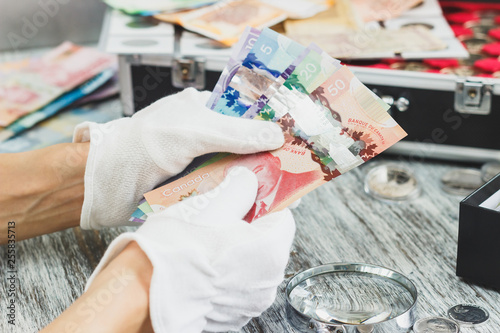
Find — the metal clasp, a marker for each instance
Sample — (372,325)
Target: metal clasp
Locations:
(186,71)
(473,97)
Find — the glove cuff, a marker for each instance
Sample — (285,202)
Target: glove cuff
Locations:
(82,134)
(114,154)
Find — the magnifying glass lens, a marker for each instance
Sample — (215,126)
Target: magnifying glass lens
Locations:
(354,298)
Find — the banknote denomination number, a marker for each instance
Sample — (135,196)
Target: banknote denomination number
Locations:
(251,42)
(336,87)
(266,49)
(307,72)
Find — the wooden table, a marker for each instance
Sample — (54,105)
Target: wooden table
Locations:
(336,223)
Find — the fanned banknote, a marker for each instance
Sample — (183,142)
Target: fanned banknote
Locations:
(37,82)
(331,123)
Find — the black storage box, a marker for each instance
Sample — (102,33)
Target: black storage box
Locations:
(478,258)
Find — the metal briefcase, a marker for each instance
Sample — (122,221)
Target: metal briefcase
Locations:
(445,116)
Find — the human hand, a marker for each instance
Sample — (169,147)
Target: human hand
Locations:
(130,156)
(212,271)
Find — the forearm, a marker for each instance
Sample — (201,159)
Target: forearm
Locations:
(42,190)
(116,301)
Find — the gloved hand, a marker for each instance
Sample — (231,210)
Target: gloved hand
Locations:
(130,156)
(212,271)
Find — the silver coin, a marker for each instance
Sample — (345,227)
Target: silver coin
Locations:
(435,325)
(480,27)
(461,181)
(475,43)
(468,314)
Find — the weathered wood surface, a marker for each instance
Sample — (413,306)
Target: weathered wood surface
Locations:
(336,223)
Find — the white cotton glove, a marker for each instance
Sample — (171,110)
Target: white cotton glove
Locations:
(130,156)
(212,271)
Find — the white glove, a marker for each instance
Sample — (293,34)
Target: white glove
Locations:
(212,271)
(130,156)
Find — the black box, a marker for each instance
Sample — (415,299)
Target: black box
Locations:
(478,257)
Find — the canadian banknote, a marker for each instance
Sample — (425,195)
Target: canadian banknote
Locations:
(381,10)
(31,119)
(348,119)
(36,82)
(240,52)
(373,42)
(226,20)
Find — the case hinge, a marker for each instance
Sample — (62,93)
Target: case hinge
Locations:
(473,97)
(186,71)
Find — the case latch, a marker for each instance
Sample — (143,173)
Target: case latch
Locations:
(186,71)
(473,97)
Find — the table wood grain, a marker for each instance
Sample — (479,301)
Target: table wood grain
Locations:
(337,222)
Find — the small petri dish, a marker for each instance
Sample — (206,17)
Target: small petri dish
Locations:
(461,182)
(343,297)
(391,182)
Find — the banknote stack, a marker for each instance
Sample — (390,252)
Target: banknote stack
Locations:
(331,122)
(34,89)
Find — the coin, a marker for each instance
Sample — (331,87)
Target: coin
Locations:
(480,27)
(419,24)
(413,66)
(488,14)
(435,325)
(460,71)
(461,181)
(475,44)
(473,57)
(391,182)
(468,314)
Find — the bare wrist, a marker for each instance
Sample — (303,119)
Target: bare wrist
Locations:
(42,190)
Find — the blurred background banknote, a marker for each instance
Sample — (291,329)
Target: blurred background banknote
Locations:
(226,20)
(83,91)
(27,86)
(374,42)
(69,75)
(381,10)
(341,31)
